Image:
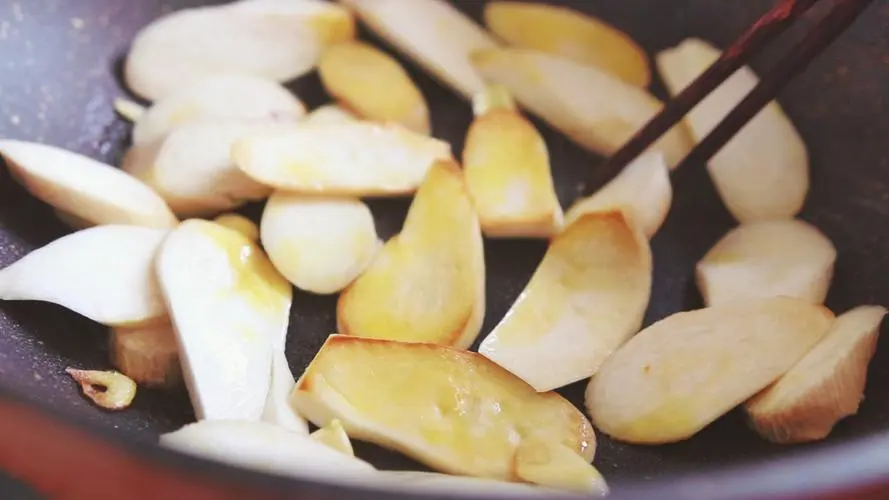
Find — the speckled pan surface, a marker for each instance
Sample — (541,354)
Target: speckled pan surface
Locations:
(59,62)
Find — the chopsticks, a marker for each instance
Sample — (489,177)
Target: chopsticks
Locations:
(751,42)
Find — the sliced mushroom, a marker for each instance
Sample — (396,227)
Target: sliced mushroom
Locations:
(565,32)
(93,192)
(240,224)
(319,244)
(436,35)
(230,310)
(147,354)
(642,189)
(789,258)
(329,113)
(192,168)
(432,483)
(593,108)
(105,273)
(266,448)
(680,374)
(453,410)
(265,38)
(340,159)
(507,170)
(374,85)
(763,171)
(588,296)
(555,465)
(215,98)
(428,283)
(826,386)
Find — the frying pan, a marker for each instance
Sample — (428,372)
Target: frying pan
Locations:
(60,64)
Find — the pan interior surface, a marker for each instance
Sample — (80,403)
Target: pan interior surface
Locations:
(61,71)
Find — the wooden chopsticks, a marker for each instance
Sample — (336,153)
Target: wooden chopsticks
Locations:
(751,42)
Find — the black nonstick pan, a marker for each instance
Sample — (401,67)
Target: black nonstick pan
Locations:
(60,69)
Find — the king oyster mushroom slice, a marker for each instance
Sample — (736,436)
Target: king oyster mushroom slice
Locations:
(588,297)
(565,32)
(218,97)
(789,258)
(267,448)
(506,164)
(230,310)
(642,189)
(763,171)
(436,35)
(320,244)
(192,167)
(593,108)
(427,284)
(680,374)
(87,190)
(329,113)
(340,159)
(374,85)
(273,39)
(826,386)
(451,409)
(105,273)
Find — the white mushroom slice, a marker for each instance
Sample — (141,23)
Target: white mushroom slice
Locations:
(105,273)
(826,386)
(218,97)
(588,297)
(565,32)
(229,307)
(266,448)
(451,409)
(329,113)
(433,33)
(270,39)
(593,108)
(763,171)
(789,258)
(277,409)
(319,244)
(507,170)
(192,168)
(85,188)
(74,222)
(148,354)
(374,85)
(345,159)
(555,465)
(432,483)
(642,189)
(428,283)
(680,374)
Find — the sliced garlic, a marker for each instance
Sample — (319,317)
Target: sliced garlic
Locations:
(109,390)
(148,354)
(334,435)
